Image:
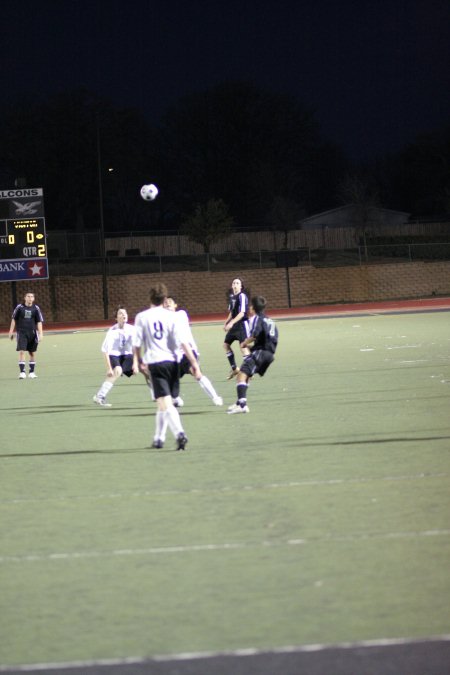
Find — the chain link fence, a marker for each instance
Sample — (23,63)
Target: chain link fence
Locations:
(134,262)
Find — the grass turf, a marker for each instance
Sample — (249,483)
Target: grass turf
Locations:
(322,516)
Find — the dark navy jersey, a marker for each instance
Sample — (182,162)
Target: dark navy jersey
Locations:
(265,333)
(238,303)
(27,318)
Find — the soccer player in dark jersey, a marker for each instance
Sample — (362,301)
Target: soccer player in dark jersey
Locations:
(263,341)
(236,324)
(27,323)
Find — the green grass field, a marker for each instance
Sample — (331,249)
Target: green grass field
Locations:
(320,517)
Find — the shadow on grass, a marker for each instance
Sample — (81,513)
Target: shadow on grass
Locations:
(52,409)
(366,441)
(64,453)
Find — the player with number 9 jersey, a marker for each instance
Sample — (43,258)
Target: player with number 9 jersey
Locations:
(158,333)
(155,345)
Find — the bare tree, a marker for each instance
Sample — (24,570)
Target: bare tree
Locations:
(210,222)
(284,216)
(364,196)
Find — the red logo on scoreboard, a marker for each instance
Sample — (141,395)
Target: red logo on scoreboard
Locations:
(36,269)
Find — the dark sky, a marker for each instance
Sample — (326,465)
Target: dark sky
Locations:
(374,71)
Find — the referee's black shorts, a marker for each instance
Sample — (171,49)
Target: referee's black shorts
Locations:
(27,342)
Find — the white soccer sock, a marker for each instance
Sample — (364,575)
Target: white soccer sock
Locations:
(105,389)
(160,426)
(207,387)
(174,421)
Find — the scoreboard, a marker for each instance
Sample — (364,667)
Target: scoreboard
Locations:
(25,238)
(23,242)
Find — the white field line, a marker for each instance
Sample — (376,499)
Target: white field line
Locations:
(225,489)
(403,347)
(250,651)
(227,546)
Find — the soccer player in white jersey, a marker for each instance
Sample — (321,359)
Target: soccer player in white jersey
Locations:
(156,343)
(117,350)
(185,366)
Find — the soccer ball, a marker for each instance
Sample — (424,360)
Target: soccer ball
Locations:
(149,192)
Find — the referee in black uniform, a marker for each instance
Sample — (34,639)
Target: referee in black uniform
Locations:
(27,323)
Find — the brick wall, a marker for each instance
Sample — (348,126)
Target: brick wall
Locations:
(67,299)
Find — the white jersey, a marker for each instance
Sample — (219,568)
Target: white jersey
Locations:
(158,335)
(184,328)
(119,341)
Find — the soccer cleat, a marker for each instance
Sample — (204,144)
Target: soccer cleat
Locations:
(218,400)
(178,402)
(181,441)
(233,409)
(233,372)
(22,375)
(157,444)
(32,375)
(101,401)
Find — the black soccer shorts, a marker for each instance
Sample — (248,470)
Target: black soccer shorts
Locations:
(165,379)
(239,332)
(257,362)
(125,361)
(27,342)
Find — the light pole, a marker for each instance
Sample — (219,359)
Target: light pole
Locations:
(102,224)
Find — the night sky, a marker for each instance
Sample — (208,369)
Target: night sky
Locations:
(374,71)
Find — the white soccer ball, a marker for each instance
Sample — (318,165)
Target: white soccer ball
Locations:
(149,192)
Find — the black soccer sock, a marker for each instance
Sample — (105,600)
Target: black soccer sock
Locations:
(242,393)
(31,366)
(231,359)
(22,366)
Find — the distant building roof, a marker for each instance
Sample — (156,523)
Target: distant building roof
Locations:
(347,216)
